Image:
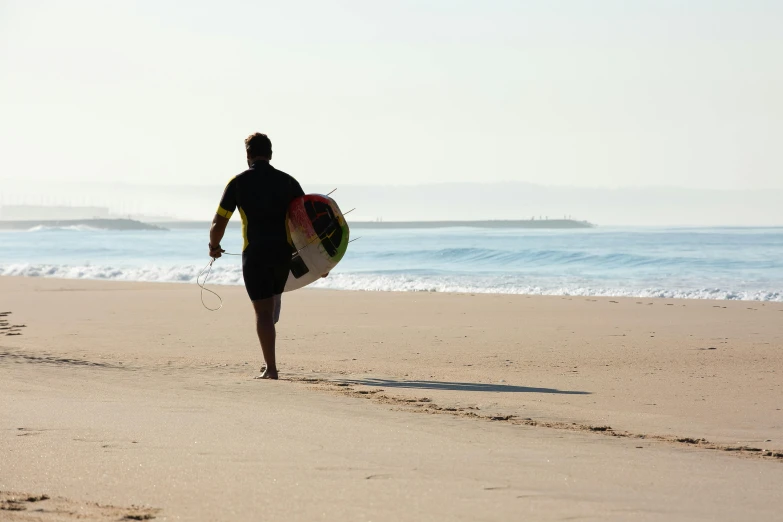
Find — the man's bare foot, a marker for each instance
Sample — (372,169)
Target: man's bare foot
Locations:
(268,374)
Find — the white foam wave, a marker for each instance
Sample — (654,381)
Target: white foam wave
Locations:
(226,275)
(406,283)
(232,275)
(71,228)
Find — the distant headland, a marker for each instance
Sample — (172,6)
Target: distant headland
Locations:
(99,224)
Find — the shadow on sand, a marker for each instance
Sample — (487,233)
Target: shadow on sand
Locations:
(457,386)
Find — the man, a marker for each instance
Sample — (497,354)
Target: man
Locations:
(262,194)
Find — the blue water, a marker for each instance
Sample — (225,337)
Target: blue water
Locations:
(713,263)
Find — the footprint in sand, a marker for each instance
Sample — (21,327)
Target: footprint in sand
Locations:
(9,329)
(63,509)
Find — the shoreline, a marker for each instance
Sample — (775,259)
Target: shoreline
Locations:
(414,291)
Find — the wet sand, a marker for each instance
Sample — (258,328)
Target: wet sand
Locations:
(128,399)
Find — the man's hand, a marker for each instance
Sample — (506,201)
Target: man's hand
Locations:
(215,252)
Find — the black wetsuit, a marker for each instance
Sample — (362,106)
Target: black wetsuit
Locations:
(262,194)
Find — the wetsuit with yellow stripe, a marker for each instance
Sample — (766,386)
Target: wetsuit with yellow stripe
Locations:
(261,195)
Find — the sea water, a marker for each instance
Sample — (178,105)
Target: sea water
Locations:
(696,263)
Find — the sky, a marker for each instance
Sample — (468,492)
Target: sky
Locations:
(591,93)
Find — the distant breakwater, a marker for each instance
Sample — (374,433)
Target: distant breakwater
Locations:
(541,224)
(509,223)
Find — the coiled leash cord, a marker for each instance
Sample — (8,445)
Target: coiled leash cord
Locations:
(208,270)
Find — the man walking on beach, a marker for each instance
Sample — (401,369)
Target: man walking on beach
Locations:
(262,194)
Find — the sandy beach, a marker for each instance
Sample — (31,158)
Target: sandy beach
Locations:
(130,400)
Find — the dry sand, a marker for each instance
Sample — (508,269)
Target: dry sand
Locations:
(130,400)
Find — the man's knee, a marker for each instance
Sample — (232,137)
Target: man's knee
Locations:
(265,308)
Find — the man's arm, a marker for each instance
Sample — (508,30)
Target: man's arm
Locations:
(219,224)
(228,203)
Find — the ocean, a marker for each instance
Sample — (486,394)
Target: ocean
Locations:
(691,263)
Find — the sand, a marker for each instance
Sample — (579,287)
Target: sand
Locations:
(131,400)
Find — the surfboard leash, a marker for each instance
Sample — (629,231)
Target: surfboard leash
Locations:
(203,286)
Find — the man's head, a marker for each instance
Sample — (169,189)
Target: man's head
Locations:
(258,147)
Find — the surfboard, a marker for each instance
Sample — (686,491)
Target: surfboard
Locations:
(319,233)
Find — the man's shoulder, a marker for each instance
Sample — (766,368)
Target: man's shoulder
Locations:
(267,174)
(282,174)
(244,173)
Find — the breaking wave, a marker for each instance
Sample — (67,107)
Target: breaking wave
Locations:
(227,275)
(497,259)
(523,286)
(410,281)
(69,228)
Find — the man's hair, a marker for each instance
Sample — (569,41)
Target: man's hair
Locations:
(258,145)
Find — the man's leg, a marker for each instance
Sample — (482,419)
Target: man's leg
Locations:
(265,326)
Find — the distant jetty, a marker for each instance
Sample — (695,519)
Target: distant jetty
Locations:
(541,224)
(511,223)
(99,224)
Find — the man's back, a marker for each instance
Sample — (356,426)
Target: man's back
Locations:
(262,194)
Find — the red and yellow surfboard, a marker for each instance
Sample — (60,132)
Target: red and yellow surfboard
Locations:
(320,234)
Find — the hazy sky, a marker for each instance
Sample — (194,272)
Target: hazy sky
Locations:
(590,93)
